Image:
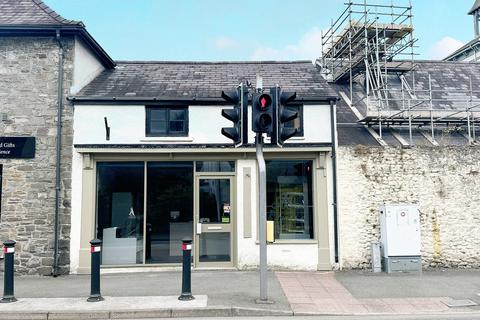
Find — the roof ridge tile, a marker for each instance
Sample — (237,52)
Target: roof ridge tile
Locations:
(53,14)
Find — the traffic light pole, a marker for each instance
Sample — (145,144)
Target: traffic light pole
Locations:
(262,223)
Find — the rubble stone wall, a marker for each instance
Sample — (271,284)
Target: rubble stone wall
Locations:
(28,98)
(443,181)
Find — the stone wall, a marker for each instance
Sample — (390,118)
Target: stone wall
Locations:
(443,181)
(28,96)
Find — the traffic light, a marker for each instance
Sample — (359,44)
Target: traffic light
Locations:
(262,113)
(285,115)
(239,98)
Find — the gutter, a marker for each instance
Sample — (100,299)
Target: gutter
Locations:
(58,152)
(186,100)
(334,169)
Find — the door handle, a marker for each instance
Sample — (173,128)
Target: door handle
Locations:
(215,228)
(199,228)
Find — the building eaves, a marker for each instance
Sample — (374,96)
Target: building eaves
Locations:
(35,18)
(475,7)
(468,46)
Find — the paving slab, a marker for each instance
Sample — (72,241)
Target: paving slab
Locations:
(322,293)
(457,303)
(224,288)
(453,283)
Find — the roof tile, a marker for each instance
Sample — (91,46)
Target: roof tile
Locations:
(30,12)
(205,79)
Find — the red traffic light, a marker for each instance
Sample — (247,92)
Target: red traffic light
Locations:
(262,116)
(264,101)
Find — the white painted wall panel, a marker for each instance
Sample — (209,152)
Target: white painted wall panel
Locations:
(127,125)
(316,123)
(86,67)
(206,123)
(76,215)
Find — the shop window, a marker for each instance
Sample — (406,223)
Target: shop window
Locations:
(120,196)
(166,121)
(169,210)
(289,198)
(215,166)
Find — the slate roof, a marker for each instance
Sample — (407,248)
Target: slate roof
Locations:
(450,83)
(203,80)
(30,12)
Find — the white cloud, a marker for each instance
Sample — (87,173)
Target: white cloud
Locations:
(308,47)
(444,47)
(225,43)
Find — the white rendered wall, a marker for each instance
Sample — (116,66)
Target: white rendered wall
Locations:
(76,213)
(331,224)
(316,125)
(247,250)
(86,67)
(127,125)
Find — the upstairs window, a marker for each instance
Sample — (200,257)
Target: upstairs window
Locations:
(298,122)
(167,121)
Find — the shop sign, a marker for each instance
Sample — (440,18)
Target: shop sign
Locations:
(17,147)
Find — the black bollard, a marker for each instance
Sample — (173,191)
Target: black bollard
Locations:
(187,270)
(96,250)
(8,291)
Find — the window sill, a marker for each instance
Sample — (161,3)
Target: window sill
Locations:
(297,138)
(167,139)
(268,140)
(293,241)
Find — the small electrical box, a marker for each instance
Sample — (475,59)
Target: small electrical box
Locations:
(270,231)
(400,238)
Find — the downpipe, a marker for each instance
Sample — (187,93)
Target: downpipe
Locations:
(58,152)
(334,169)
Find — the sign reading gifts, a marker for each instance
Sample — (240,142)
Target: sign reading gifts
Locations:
(17,147)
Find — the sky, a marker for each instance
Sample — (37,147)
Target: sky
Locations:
(243,30)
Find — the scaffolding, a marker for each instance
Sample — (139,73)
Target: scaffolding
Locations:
(359,49)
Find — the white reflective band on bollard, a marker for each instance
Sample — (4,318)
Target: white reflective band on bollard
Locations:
(186,247)
(8,250)
(95,249)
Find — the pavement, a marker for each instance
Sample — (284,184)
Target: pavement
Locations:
(233,293)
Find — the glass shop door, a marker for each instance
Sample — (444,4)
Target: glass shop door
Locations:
(214,217)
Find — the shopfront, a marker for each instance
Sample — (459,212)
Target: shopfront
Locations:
(141,206)
(151,166)
(145,208)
